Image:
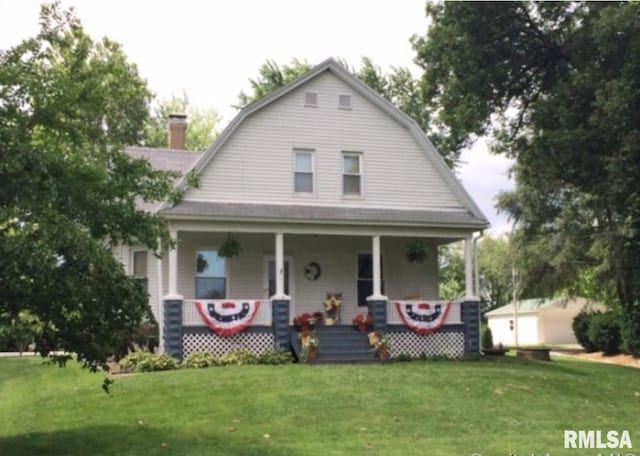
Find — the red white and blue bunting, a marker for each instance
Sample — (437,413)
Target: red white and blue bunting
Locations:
(227,318)
(423,318)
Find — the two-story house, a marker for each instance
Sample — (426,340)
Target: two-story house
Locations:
(325,186)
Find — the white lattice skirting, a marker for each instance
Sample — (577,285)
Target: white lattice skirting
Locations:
(257,343)
(450,344)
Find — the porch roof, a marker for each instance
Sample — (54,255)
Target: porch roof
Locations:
(301,213)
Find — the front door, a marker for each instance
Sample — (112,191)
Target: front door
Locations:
(365,277)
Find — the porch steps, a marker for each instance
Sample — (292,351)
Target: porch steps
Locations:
(338,344)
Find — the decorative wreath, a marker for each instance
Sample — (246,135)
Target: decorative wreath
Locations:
(312,271)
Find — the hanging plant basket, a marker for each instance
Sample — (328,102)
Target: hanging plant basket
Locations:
(230,248)
(416,251)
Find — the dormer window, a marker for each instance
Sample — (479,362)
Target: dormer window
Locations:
(344,101)
(303,171)
(311,99)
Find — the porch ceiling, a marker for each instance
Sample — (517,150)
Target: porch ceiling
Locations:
(331,214)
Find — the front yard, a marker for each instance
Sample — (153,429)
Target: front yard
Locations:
(423,408)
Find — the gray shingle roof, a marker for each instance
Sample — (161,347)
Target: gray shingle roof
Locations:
(280,212)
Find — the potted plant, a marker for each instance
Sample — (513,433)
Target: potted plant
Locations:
(416,251)
(310,344)
(380,344)
(363,321)
(306,321)
(230,248)
(332,307)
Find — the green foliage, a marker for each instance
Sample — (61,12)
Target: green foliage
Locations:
(230,248)
(403,358)
(495,260)
(68,107)
(148,362)
(486,337)
(580,326)
(237,358)
(21,331)
(451,271)
(201,128)
(555,86)
(275,357)
(198,360)
(416,251)
(604,332)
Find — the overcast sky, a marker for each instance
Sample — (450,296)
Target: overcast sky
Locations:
(211,49)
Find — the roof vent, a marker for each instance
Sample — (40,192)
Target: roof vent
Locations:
(344,101)
(311,99)
(177,127)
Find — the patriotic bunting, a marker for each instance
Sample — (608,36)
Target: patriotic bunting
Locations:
(227,318)
(423,318)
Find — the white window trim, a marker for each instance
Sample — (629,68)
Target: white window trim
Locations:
(227,270)
(357,276)
(344,154)
(345,108)
(292,287)
(311,152)
(132,253)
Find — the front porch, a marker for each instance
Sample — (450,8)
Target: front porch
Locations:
(289,274)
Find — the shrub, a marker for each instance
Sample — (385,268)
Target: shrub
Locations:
(604,332)
(486,338)
(580,327)
(237,358)
(275,357)
(630,331)
(198,360)
(147,362)
(403,358)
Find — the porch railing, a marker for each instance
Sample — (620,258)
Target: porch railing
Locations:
(191,317)
(453,318)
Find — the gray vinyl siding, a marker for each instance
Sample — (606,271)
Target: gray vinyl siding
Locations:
(336,255)
(256,163)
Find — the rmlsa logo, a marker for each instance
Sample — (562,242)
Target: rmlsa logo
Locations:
(597,439)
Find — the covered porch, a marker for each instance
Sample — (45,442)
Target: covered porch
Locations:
(292,269)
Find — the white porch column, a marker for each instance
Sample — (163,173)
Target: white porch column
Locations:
(280,294)
(377,275)
(468,266)
(173,270)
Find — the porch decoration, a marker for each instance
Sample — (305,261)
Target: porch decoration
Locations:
(312,271)
(380,344)
(423,318)
(332,307)
(416,251)
(310,345)
(307,321)
(230,247)
(227,318)
(363,321)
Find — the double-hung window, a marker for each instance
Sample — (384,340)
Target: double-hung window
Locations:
(303,171)
(211,275)
(351,173)
(140,268)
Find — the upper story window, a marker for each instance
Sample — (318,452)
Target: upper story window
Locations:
(211,275)
(139,261)
(351,173)
(344,101)
(311,99)
(303,171)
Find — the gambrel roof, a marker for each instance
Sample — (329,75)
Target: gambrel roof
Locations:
(474,217)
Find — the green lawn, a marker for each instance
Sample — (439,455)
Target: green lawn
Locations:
(423,408)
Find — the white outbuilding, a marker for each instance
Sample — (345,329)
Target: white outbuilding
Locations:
(540,321)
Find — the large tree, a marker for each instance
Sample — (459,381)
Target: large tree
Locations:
(202,123)
(557,87)
(68,107)
(398,86)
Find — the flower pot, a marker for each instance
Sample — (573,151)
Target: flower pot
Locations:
(363,328)
(313,355)
(384,354)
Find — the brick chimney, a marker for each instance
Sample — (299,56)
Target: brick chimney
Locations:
(177,127)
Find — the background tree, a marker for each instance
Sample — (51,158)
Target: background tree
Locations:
(201,129)
(495,262)
(451,271)
(68,107)
(557,87)
(399,87)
